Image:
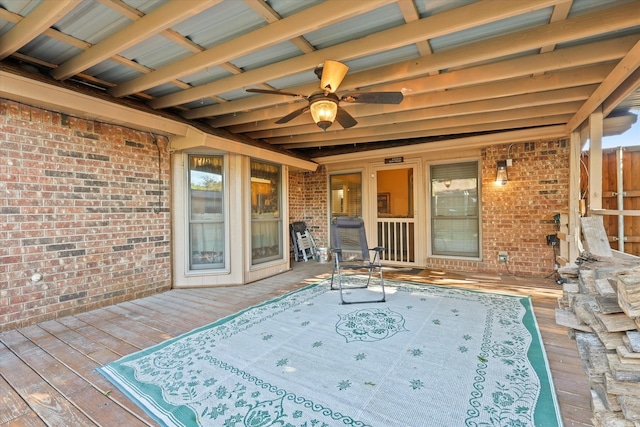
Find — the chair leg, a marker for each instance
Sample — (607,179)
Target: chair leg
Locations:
(333,273)
(343,301)
(384,295)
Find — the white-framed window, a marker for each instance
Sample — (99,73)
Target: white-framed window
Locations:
(346,194)
(455,209)
(206,219)
(266,212)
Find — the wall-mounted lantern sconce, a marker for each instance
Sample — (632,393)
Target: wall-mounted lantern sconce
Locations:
(447,183)
(501,173)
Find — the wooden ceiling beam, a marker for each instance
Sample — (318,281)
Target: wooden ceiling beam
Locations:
(444,23)
(268,14)
(560,13)
(151,24)
(571,57)
(309,19)
(265,118)
(623,92)
(625,68)
(34,24)
(584,26)
(410,14)
(521,133)
(83,45)
(573,96)
(554,123)
(321,138)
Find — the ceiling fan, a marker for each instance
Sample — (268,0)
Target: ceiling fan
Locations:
(324,104)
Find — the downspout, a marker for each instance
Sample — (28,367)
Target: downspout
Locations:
(620,196)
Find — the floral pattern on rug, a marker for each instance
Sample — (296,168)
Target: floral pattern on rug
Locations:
(303,360)
(370,325)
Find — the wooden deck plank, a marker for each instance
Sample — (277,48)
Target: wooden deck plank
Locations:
(75,386)
(169,328)
(129,332)
(168,307)
(114,344)
(12,404)
(92,350)
(75,345)
(84,367)
(202,306)
(37,391)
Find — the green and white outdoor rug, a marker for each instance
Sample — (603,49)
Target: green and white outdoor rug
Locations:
(429,356)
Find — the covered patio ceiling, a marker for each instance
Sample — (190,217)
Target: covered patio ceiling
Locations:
(465,67)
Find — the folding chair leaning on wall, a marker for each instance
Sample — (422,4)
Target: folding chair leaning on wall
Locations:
(351,252)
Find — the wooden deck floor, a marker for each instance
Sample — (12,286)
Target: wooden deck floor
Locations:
(47,372)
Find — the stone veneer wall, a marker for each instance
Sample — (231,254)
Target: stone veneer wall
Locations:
(79,204)
(516,217)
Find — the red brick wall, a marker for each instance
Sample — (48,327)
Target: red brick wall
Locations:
(517,217)
(79,205)
(308,201)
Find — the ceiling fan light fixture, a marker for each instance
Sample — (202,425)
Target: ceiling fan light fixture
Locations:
(333,73)
(324,112)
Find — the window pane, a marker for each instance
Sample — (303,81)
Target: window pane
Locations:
(207,246)
(266,220)
(265,241)
(458,237)
(206,213)
(346,194)
(455,209)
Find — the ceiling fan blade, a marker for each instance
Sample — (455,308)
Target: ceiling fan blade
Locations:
(374,97)
(345,119)
(292,115)
(275,92)
(333,73)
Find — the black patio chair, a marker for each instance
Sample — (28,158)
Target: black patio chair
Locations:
(351,252)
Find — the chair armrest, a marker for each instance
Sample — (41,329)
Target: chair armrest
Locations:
(377,249)
(336,251)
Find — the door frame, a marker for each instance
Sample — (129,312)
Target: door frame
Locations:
(419,227)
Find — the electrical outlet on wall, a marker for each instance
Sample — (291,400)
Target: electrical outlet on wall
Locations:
(503,256)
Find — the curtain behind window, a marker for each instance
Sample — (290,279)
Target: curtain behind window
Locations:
(206,213)
(266,212)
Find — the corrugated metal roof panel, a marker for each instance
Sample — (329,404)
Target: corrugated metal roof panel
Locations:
(162,90)
(580,7)
(21,7)
(294,80)
(92,22)
(145,6)
(112,71)
(156,52)
(220,23)
(266,56)
(207,75)
(493,29)
(50,50)
(387,57)
(433,7)
(356,27)
(286,8)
